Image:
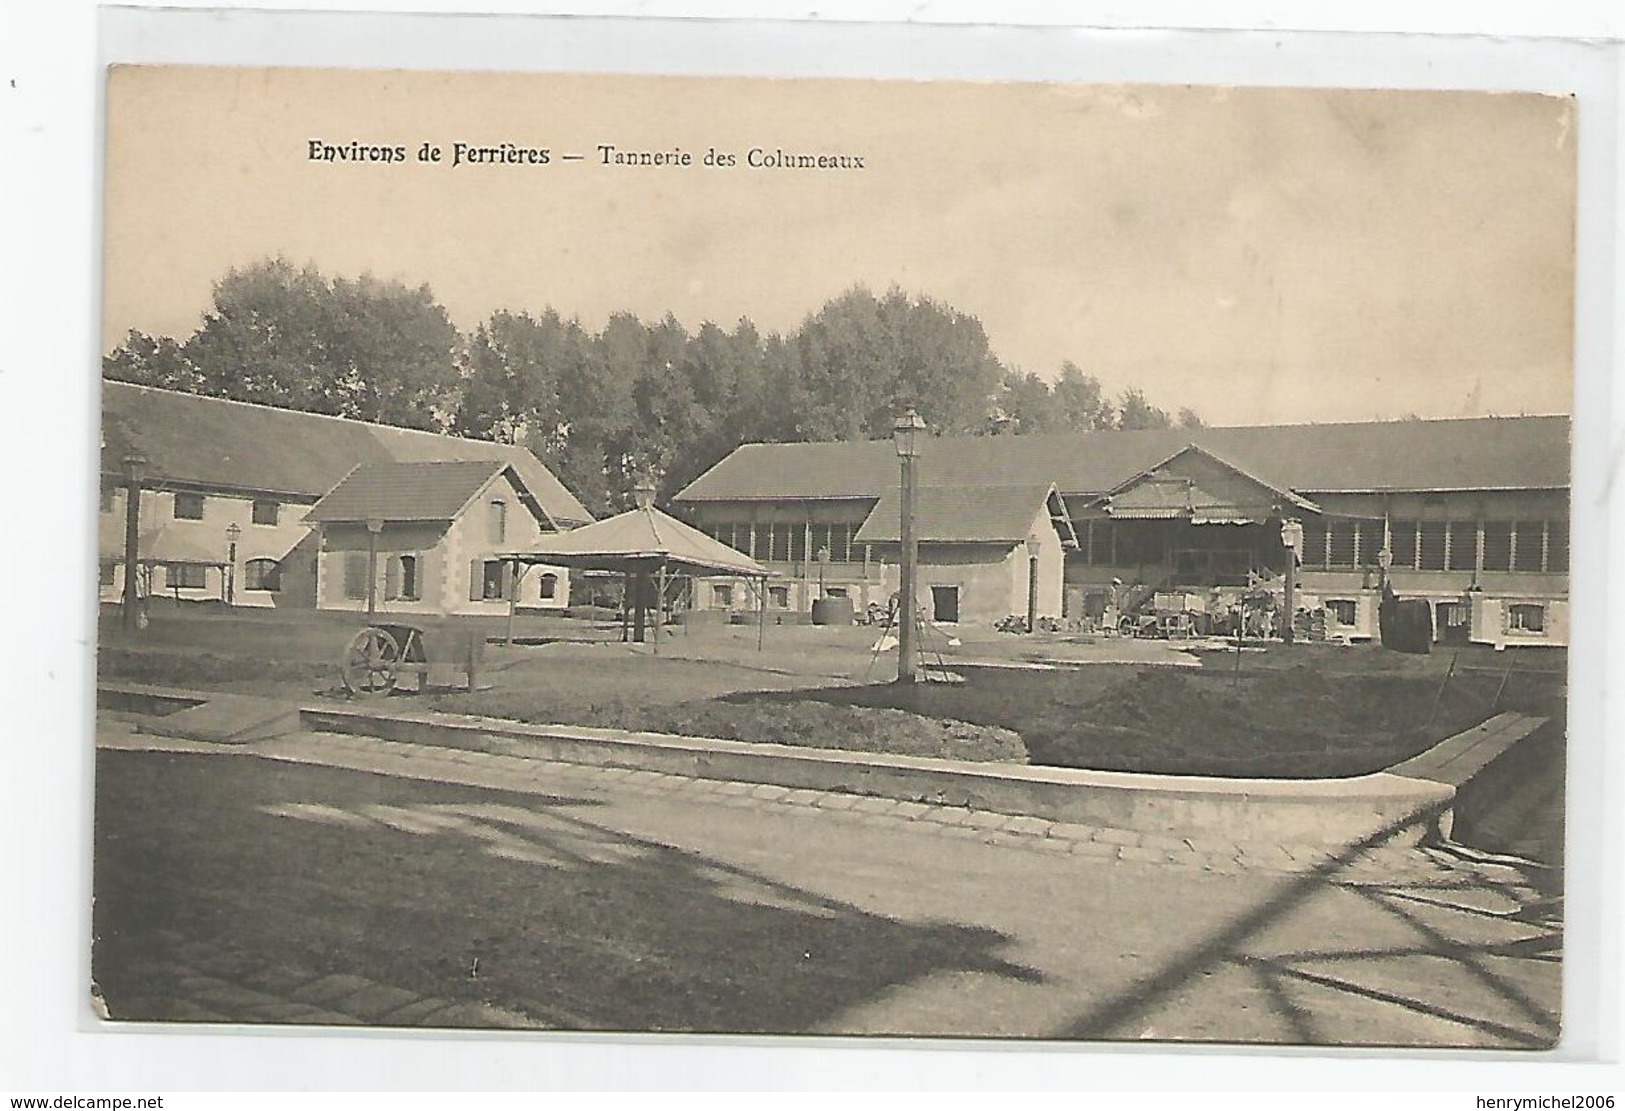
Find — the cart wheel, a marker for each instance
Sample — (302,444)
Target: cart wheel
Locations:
(368,665)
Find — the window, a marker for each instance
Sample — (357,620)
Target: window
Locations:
(837,592)
(1528,545)
(1463,545)
(355,574)
(1402,538)
(549,587)
(779,596)
(1343,610)
(494,578)
(1497,546)
(499,521)
(186,576)
(1557,546)
(778,539)
(722,597)
(1340,543)
(262,574)
(401,579)
(188,507)
(838,539)
(108,570)
(1526,617)
(1314,544)
(267,512)
(1432,536)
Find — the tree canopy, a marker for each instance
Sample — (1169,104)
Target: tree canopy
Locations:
(603,410)
(277,335)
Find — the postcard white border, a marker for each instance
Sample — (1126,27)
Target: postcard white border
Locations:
(48,384)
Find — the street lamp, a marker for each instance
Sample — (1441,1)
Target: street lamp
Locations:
(906,438)
(234,533)
(1292,541)
(135,465)
(1033,546)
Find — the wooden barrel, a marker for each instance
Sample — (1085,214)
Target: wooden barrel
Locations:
(833,611)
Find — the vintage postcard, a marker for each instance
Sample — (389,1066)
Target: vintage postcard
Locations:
(834,557)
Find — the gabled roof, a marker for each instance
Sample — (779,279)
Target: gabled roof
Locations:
(967,515)
(1488,453)
(639,539)
(412,492)
(233,446)
(1168,491)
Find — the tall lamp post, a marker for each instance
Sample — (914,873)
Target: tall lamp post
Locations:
(1033,545)
(234,533)
(906,438)
(134,470)
(1292,541)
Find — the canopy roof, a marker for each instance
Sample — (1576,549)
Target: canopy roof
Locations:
(641,540)
(163,544)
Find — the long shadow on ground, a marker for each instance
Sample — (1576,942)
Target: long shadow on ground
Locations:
(477,895)
(1473,992)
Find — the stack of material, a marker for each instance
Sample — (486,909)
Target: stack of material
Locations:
(1309,624)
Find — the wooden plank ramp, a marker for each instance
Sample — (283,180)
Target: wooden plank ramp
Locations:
(1456,760)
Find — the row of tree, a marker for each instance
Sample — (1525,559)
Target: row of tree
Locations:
(602,409)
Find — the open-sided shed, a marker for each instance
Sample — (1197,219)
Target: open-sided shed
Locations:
(643,544)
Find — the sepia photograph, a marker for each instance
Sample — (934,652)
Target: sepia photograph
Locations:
(858,558)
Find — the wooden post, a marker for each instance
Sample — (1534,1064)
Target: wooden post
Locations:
(626,606)
(1241,623)
(640,606)
(133,464)
(660,604)
(905,594)
(474,660)
(1500,690)
(1439,697)
(374,527)
(516,578)
(761,612)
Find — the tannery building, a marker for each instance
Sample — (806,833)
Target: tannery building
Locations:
(1471,515)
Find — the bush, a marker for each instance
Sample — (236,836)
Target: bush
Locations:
(803,724)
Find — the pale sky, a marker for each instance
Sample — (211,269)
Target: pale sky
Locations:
(1260,255)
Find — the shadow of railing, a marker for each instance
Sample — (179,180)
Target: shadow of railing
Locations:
(1505,1014)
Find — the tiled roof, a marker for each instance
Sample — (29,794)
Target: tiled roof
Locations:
(235,446)
(958,514)
(1475,454)
(405,491)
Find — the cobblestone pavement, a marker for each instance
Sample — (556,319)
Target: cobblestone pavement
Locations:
(1383,864)
(1449,904)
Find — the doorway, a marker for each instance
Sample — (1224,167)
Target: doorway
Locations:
(945,604)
